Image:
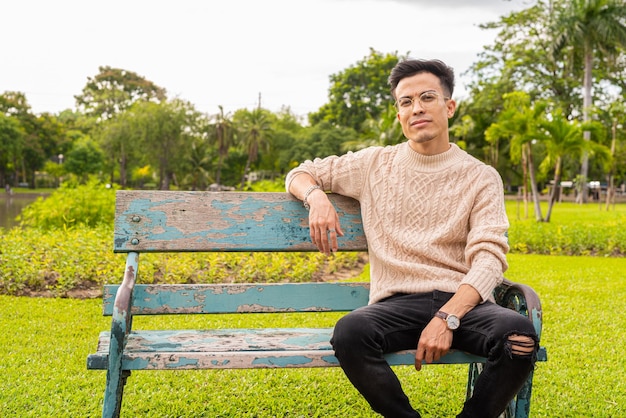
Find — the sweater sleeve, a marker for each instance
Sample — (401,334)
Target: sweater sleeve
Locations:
(487,244)
(344,174)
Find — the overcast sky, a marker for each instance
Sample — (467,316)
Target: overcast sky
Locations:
(226,52)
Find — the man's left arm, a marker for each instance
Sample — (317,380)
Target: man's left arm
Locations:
(486,252)
(436,339)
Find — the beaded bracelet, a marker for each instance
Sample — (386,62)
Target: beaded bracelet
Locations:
(306,195)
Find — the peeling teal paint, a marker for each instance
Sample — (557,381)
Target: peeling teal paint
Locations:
(182,363)
(282,361)
(246,222)
(136,364)
(283,297)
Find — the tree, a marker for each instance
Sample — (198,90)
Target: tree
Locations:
(254,130)
(222,133)
(594,29)
(114,90)
(120,143)
(359,93)
(166,131)
(518,123)
(615,114)
(385,130)
(561,138)
(518,60)
(198,165)
(11,143)
(42,136)
(83,159)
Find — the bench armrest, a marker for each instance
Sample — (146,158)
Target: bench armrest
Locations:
(521,298)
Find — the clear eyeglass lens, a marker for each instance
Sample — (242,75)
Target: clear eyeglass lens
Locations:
(425,99)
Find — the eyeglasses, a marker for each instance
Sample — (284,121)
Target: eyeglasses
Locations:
(426,100)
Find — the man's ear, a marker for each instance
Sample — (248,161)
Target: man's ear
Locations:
(451,104)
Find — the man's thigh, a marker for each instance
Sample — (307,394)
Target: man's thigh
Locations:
(486,325)
(398,321)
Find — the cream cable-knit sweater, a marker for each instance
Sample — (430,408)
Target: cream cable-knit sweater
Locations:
(432,222)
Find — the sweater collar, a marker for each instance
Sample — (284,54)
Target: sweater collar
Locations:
(431,163)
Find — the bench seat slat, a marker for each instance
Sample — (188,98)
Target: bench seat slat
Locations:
(242,298)
(238,348)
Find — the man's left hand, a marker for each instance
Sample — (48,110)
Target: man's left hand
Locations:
(434,343)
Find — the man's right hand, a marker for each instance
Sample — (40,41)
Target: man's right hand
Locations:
(323,222)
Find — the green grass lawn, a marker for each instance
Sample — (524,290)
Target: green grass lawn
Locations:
(44,344)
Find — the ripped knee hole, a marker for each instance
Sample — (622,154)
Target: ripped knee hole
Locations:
(521,345)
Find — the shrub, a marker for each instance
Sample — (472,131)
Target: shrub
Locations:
(57,261)
(65,242)
(574,230)
(90,204)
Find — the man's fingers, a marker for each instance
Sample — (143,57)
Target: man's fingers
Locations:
(332,238)
(419,357)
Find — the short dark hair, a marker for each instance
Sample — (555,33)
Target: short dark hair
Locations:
(410,67)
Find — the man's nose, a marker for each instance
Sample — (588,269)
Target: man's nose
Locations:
(417,103)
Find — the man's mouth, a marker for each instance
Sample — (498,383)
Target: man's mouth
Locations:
(419,123)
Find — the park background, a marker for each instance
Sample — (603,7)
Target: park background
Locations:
(545,107)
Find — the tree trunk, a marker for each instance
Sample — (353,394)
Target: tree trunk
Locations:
(245,174)
(533,184)
(123,175)
(587,102)
(525,182)
(610,191)
(218,172)
(554,193)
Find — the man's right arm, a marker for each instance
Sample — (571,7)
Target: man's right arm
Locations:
(323,219)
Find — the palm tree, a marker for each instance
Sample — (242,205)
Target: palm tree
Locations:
(198,162)
(385,130)
(617,110)
(518,123)
(255,132)
(223,131)
(591,26)
(562,137)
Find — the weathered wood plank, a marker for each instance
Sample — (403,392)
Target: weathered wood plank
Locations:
(242,349)
(242,298)
(238,348)
(153,221)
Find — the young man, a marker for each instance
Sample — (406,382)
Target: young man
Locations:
(435,223)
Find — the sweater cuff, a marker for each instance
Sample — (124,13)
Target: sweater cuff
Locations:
(484,276)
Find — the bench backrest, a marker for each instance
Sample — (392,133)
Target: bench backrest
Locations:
(168,221)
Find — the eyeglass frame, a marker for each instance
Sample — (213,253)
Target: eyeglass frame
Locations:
(424,105)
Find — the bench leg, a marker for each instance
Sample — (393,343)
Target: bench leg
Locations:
(522,407)
(113,394)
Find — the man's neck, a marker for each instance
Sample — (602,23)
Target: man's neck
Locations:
(430,147)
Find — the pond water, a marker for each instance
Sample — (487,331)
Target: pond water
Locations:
(12,204)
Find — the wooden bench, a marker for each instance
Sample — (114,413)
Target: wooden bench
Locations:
(148,221)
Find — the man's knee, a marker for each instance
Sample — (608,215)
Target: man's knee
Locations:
(350,332)
(519,345)
(520,338)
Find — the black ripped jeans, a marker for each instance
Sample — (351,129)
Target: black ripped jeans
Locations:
(362,337)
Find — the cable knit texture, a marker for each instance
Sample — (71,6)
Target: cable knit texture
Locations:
(432,222)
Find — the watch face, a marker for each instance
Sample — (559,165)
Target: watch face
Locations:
(453,322)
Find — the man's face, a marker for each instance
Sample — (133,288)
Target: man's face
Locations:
(423,112)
